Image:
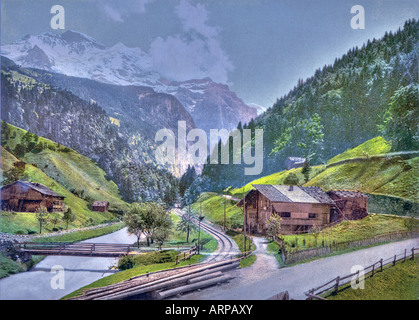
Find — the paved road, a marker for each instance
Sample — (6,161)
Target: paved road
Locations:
(252,284)
(79,271)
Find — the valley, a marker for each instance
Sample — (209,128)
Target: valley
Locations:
(80,164)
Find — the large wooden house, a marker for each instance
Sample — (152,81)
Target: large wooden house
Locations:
(23,196)
(301,208)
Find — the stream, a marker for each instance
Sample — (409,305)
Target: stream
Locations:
(43,282)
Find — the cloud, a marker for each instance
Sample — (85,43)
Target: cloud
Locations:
(119,10)
(195,53)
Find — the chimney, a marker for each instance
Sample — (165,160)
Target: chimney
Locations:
(291,188)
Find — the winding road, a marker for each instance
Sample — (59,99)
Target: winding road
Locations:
(263,280)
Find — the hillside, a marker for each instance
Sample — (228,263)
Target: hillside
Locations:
(369,91)
(62,170)
(368,168)
(59,115)
(390,180)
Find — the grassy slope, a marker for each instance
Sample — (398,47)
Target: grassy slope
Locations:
(212,207)
(400,282)
(61,172)
(393,177)
(375,146)
(380,176)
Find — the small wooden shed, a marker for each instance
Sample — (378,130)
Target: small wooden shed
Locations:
(349,205)
(24,196)
(101,206)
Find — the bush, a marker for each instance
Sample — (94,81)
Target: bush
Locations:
(128,262)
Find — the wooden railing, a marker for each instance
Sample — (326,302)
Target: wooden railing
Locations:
(335,285)
(243,255)
(75,248)
(299,255)
(186,254)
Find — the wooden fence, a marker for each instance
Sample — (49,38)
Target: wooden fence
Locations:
(336,285)
(186,254)
(292,257)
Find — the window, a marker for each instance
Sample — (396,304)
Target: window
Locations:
(312,215)
(286,214)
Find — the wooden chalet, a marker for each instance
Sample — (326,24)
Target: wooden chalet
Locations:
(301,208)
(24,196)
(101,206)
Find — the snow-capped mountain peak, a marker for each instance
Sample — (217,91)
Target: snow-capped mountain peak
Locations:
(212,105)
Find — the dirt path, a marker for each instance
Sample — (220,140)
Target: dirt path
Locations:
(265,263)
(299,278)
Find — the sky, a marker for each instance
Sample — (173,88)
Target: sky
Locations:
(260,48)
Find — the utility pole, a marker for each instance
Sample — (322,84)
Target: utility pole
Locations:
(224,213)
(189,221)
(199,224)
(244,219)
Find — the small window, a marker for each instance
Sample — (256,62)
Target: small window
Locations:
(286,214)
(312,215)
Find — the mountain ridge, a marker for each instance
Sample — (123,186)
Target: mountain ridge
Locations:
(75,54)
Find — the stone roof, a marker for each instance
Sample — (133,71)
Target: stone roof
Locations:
(37,187)
(100,203)
(298,194)
(346,193)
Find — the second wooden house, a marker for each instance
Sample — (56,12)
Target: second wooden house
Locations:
(24,196)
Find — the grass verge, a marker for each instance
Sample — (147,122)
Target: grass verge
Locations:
(82,235)
(136,271)
(400,282)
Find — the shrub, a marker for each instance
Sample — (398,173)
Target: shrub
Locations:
(128,262)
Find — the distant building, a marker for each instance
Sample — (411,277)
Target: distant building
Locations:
(101,206)
(294,162)
(349,205)
(24,196)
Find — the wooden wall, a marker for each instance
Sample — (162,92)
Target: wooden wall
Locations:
(259,209)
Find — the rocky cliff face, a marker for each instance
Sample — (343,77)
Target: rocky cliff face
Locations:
(212,105)
(85,127)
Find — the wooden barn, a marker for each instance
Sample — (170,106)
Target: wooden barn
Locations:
(349,205)
(101,206)
(301,208)
(23,196)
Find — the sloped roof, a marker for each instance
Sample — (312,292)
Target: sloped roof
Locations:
(281,193)
(270,192)
(346,193)
(100,203)
(37,187)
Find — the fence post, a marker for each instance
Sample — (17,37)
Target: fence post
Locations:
(381,263)
(310,297)
(337,284)
(413,253)
(405,251)
(394,261)
(373,267)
